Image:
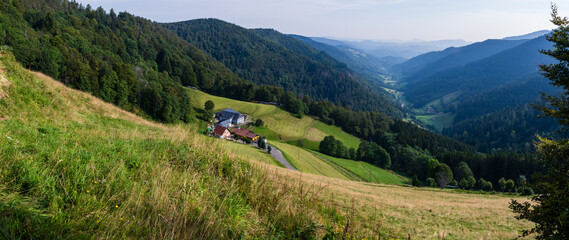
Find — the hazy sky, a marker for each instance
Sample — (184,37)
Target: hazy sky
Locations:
(471,20)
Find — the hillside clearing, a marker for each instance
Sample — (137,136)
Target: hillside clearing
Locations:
(279,124)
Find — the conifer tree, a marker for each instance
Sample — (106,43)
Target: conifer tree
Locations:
(550,208)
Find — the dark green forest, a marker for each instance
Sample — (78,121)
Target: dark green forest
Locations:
(265,56)
(510,129)
(470,79)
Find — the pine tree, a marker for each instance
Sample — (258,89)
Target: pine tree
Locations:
(550,209)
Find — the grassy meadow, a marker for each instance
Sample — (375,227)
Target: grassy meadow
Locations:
(305,161)
(366,172)
(279,124)
(398,212)
(74,167)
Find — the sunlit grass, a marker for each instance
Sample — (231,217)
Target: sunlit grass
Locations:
(419,213)
(305,161)
(366,171)
(279,124)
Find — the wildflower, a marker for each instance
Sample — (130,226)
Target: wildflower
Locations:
(122,219)
(87,191)
(116,206)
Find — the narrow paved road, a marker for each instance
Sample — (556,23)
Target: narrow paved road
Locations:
(278,155)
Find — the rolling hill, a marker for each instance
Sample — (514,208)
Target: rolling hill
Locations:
(368,66)
(429,63)
(265,56)
(508,66)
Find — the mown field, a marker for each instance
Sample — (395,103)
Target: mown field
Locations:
(364,171)
(398,212)
(305,161)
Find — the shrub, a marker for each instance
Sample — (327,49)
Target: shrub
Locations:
(431,182)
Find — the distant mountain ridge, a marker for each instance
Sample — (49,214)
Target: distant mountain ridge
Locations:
(529,35)
(367,65)
(481,75)
(432,62)
(402,49)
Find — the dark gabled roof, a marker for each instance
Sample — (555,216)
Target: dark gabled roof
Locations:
(227,114)
(219,130)
(244,133)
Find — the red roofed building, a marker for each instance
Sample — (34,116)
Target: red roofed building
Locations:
(245,134)
(221,132)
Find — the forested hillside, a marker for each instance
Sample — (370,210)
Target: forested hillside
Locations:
(509,129)
(368,66)
(123,59)
(508,96)
(429,63)
(476,77)
(265,56)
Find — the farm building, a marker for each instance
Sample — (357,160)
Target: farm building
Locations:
(221,132)
(245,134)
(229,117)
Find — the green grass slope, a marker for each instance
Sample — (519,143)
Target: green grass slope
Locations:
(366,172)
(74,167)
(279,124)
(305,161)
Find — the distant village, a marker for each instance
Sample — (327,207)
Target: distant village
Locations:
(227,125)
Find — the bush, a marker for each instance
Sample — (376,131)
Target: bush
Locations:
(431,182)
(453,182)
(259,122)
(464,184)
(261,143)
(526,191)
(415,182)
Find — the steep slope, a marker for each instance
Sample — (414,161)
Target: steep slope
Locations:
(429,63)
(511,95)
(476,77)
(74,167)
(268,57)
(123,59)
